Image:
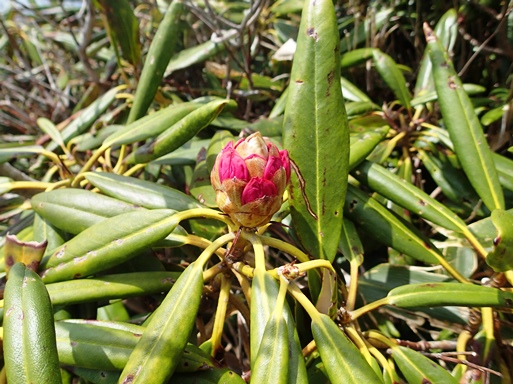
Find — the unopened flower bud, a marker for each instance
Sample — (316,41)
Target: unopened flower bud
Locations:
(249,178)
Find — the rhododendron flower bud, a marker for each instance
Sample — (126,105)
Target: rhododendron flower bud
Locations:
(249,178)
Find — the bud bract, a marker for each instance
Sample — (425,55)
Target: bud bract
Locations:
(249,178)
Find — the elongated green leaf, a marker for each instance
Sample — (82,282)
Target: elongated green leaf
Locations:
(210,376)
(140,192)
(155,357)
(111,287)
(107,346)
(382,224)
(427,97)
(464,127)
(161,49)
(342,360)
(447,31)
(392,75)
(443,294)
(151,125)
(501,257)
(123,28)
(180,133)
(263,301)
(407,195)
(352,92)
(51,130)
(417,368)
(7,154)
(356,57)
(107,243)
(271,364)
(316,133)
(30,352)
(73,210)
(363,143)
(199,53)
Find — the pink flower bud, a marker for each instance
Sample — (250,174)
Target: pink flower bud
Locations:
(250,178)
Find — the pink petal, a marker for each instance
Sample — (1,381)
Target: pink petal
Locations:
(258,188)
(273,164)
(285,162)
(232,165)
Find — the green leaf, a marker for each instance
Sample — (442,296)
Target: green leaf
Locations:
(108,243)
(201,52)
(141,193)
(501,257)
(51,130)
(123,28)
(7,154)
(342,360)
(448,294)
(392,75)
(263,301)
(375,219)
(156,356)
(110,287)
(74,210)
(417,368)
(447,30)
(178,134)
(161,49)
(407,195)
(30,352)
(151,125)
(316,133)
(464,128)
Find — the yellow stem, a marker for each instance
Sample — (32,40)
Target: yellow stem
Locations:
(367,308)
(285,247)
(303,300)
(119,168)
(222,306)
(211,249)
(258,248)
(353,285)
(30,185)
(88,165)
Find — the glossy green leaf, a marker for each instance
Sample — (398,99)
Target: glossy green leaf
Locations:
(178,134)
(51,130)
(141,192)
(501,257)
(74,210)
(352,92)
(271,363)
(107,346)
(447,31)
(30,352)
(122,27)
(465,130)
(155,357)
(375,219)
(417,368)
(107,243)
(95,376)
(342,360)
(9,153)
(363,143)
(264,295)
(199,53)
(316,133)
(356,57)
(407,195)
(44,231)
(443,294)
(160,52)
(110,287)
(151,125)
(350,244)
(504,167)
(393,77)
